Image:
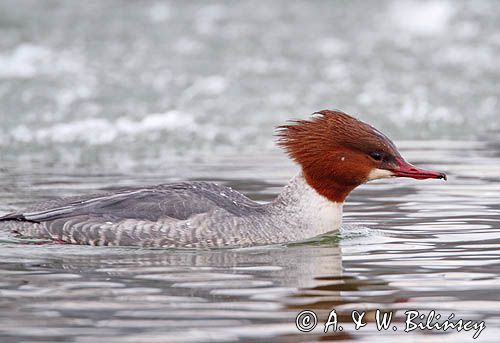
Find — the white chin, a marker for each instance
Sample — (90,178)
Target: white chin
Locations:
(376,173)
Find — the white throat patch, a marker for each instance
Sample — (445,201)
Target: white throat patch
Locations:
(376,173)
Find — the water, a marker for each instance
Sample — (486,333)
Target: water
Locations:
(415,245)
(97,95)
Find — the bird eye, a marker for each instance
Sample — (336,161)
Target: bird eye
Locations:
(376,156)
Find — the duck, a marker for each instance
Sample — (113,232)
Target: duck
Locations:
(335,153)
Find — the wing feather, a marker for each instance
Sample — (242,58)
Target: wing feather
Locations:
(175,201)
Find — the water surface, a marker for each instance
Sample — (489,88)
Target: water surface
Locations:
(406,245)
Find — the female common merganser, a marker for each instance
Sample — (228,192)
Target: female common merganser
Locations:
(335,151)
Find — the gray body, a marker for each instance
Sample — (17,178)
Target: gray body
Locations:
(179,215)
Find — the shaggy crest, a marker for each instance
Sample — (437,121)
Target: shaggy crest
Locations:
(328,129)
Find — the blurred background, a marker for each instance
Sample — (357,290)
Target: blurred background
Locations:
(114,84)
(97,95)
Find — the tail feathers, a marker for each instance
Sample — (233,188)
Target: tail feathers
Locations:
(17,217)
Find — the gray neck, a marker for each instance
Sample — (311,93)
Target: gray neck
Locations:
(301,205)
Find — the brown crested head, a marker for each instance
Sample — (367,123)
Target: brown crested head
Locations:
(338,152)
